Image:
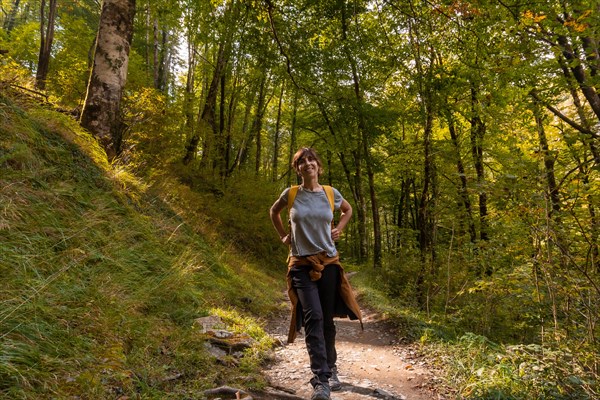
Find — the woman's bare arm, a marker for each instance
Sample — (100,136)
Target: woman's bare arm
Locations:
(346,214)
(275,214)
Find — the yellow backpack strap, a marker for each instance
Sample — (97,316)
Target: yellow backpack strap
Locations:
(292,196)
(329,192)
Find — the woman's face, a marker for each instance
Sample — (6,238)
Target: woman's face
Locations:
(308,167)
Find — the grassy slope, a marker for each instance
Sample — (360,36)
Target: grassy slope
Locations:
(103,274)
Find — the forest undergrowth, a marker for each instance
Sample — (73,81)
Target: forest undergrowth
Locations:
(477,366)
(103,274)
(105,271)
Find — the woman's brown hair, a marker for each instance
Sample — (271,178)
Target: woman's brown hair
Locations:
(302,153)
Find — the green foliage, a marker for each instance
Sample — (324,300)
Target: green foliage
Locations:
(70,66)
(154,130)
(239,212)
(13,73)
(476,367)
(373,292)
(25,44)
(485,370)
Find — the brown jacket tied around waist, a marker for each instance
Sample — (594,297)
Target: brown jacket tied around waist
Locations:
(346,305)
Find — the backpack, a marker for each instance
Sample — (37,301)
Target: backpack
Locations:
(294,190)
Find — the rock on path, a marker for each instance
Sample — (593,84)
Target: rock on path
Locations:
(371,364)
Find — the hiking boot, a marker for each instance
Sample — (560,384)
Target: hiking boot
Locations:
(334,381)
(320,390)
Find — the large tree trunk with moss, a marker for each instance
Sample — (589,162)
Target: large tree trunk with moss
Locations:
(101,111)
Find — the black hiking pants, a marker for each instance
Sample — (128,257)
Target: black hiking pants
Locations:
(317,299)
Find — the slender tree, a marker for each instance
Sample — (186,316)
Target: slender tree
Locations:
(364,138)
(207,123)
(46,39)
(9,22)
(478,129)
(276,135)
(460,168)
(293,145)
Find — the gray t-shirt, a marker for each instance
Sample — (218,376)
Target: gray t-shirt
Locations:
(311,218)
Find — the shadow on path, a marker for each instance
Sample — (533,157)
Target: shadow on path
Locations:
(365,391)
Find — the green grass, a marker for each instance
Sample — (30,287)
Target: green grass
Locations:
(103,274)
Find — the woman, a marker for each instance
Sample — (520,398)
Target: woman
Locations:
(317,286)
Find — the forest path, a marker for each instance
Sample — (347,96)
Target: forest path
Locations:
(372,364)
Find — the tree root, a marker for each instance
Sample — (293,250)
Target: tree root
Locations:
(267,394)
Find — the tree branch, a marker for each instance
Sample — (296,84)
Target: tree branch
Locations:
(288,61)
(534,95)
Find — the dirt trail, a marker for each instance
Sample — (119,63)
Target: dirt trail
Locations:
(372,364)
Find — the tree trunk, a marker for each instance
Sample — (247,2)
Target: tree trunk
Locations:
(548,163)
(155,52)
(595,234)
(477,134)
(101,111)
(362,127)
(424,201)
(240,157)
(230,119)
(293,145)
(359,199)
(276,136)
(189,89)
(355,184)
(590,46)
(589,141)
(164,64)
(46,38)
(579,73)
(377,252)
(404,209)
(9,23)
(424,224)
(147,31)
(219,158)
(207,127)
(329,173)
(258,121)
(463,191)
